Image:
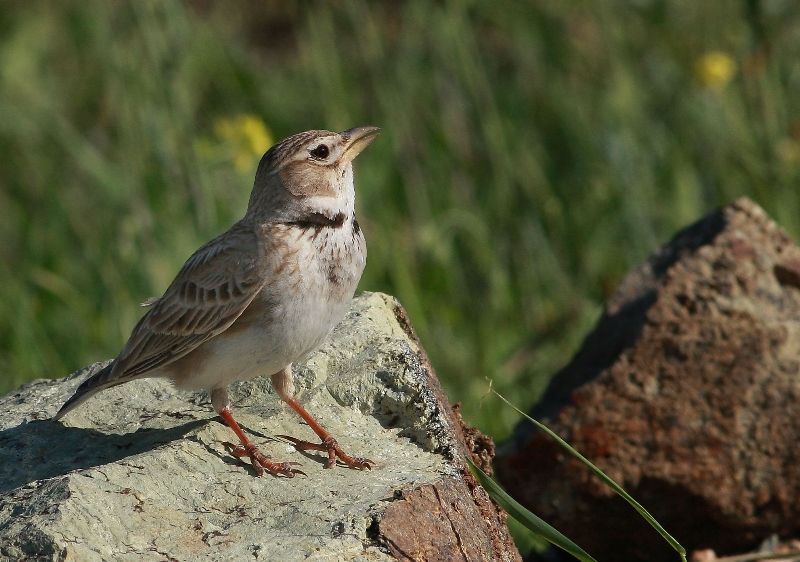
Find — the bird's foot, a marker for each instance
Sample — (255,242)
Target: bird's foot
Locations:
(331,447)
(261,462)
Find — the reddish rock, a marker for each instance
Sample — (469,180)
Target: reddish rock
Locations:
(686,392)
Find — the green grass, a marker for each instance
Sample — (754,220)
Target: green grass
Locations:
(532,153)
(538,528)
(533,523)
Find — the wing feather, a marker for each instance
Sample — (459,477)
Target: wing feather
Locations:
(214,287)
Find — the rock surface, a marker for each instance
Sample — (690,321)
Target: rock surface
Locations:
(686,393)
(139,472)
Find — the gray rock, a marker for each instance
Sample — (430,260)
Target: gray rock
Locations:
(139,472)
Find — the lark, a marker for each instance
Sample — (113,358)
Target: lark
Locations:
(262,295)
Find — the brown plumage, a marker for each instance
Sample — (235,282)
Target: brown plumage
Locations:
(263,294)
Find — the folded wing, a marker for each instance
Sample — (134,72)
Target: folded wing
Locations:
(212,289)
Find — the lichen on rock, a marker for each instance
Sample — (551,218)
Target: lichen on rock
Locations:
(139,472)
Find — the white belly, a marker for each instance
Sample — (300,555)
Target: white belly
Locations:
(255,351)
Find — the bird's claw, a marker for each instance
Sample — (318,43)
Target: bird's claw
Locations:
(331,447)
(261,462)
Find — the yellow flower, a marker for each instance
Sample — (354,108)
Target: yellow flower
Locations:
(246,138)
(715,69)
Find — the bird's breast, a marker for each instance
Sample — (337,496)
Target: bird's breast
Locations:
(311,290)
(303,305)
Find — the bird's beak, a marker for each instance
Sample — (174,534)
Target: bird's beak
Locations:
(357,139)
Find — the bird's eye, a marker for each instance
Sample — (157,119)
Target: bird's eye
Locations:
(320,152)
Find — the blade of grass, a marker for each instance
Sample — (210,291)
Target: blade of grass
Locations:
(602,476)
(533,522)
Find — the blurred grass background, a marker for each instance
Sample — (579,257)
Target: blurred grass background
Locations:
(532,152)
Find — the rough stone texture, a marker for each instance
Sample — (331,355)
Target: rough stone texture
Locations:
(686,392)
(139,472)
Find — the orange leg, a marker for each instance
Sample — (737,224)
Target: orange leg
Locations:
(328,443)
(258,459)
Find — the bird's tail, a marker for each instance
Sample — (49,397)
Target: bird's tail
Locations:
(88,388)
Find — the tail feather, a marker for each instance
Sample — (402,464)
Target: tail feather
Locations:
(88,388)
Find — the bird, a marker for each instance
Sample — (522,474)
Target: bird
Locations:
(262,295)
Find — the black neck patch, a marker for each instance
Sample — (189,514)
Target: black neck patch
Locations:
(318,220)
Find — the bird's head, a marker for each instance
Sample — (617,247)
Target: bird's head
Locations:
(310,172)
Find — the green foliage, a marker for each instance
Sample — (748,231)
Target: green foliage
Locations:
(538,526)
(528,519)
(532,153)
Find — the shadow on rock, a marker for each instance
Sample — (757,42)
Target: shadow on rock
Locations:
(42,449)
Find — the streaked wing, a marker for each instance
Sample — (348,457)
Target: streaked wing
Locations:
(212,289)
